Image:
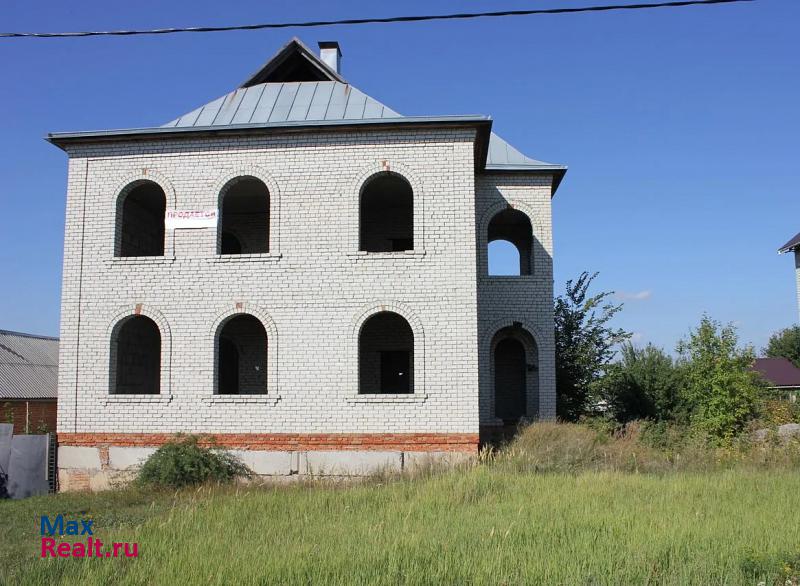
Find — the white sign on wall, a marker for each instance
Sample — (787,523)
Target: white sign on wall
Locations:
(175,219)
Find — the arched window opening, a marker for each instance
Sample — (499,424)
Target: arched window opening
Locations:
(516,374)
(503,258)
(245,213)
(230,244)
(386,355)
(242,357)
(140,227)
(387,215)
(228,367)
(515,228)
(136,357)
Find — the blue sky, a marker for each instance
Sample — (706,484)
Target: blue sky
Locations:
(680,128)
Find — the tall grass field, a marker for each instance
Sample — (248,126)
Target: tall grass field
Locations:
(496,522)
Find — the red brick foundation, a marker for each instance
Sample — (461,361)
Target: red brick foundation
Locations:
(408,442)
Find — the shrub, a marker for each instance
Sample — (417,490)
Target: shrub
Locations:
(183,462)
(644,384)
(776,412)
(721,391)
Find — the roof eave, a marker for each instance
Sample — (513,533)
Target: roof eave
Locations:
(557,171)
(482,125)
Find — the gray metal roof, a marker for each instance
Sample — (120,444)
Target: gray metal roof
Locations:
(267,100)
(320,101)
(307,101)
(28,366)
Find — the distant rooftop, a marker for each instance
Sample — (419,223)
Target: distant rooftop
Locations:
(791,245)
(778,372)
(28,366)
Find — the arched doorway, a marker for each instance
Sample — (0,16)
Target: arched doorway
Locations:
(515,375)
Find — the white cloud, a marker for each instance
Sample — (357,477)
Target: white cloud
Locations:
(640,296)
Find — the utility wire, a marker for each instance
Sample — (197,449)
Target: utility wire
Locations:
(354,21)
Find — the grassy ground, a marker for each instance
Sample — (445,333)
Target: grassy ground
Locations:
(496,523)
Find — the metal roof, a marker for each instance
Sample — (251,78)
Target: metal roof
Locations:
(305,101)
(267,101)
(778,372)
(28,366)
(791,245)
(323,101)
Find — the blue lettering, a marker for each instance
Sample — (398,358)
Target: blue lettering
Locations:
(48,528)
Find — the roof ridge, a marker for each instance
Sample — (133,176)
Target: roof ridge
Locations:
(26,335)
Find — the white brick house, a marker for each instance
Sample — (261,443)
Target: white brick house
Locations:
(318,298)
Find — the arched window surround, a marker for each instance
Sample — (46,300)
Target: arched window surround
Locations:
(355,192)
(165,395)
(122,190)
(272,395)
(221,187)
(539,258)
(419,394)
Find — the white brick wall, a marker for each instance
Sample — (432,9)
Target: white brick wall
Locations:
(310,289)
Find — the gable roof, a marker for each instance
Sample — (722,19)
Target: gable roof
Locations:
(28,366)
(793,243)
(293,62)
(778,372)
(296,89)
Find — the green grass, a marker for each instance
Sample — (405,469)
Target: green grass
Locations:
(482,525)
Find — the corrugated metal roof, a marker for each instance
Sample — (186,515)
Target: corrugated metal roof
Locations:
(791,245)
(28,366)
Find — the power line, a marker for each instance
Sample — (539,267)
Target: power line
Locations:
(355,21)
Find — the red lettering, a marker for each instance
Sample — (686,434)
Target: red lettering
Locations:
(117,547)
(64,549)
(134,553)
(48,547)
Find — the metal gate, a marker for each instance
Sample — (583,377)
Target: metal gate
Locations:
(27,463)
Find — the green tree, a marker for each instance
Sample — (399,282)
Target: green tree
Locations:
(785,344)
(721,390)
(584,344)
(644,384)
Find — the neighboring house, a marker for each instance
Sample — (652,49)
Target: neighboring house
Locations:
(300,272)
(28,381)
(794,246)
(781,376)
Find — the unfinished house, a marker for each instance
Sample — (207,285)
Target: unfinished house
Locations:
(301,273)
